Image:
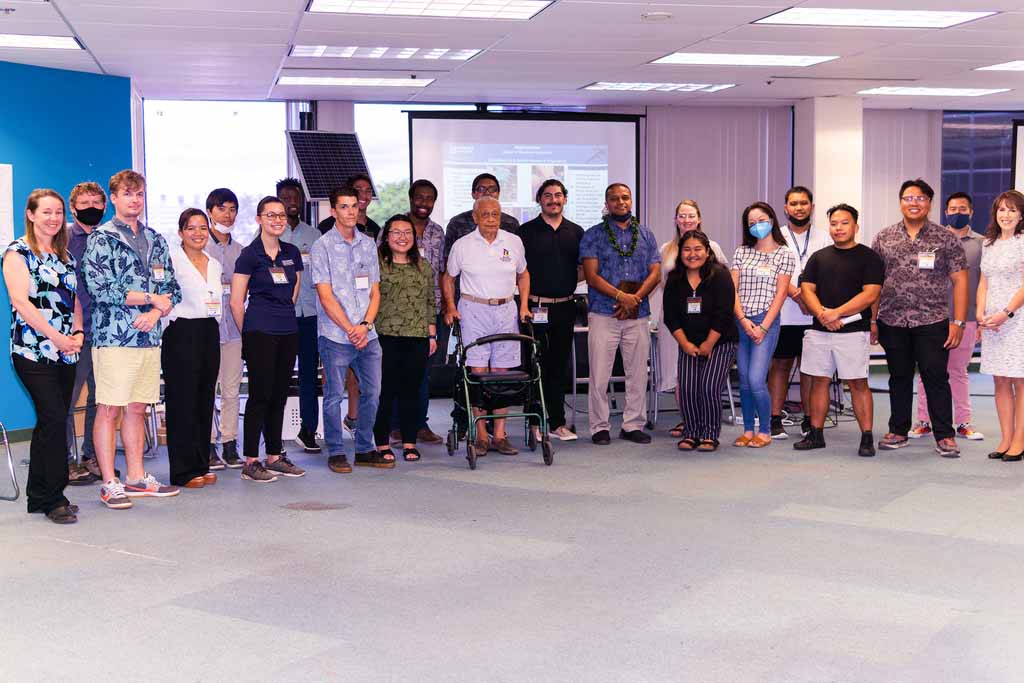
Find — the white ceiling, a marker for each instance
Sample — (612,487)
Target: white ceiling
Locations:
(237,49)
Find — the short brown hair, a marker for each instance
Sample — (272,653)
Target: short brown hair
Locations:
(127,180)
(88,187)
(60,240)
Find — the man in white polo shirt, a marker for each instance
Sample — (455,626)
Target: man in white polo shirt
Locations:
(803,240)
(492,263)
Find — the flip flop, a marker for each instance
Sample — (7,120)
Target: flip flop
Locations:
(676,431)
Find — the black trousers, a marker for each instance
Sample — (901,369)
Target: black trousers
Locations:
(270,359)
(49,385)
(920,347)
(555,339)
(190,357)
(403,364)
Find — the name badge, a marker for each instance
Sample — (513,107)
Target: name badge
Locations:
(287,262)
(505,256)
(362,282)
(305,258)
(926,260)
(693,305)
(423,252)
(764,271)
(213,308)
(278,276)
(540,315)
(226,289)
(158,272)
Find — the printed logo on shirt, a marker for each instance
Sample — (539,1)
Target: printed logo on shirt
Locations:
(287,262)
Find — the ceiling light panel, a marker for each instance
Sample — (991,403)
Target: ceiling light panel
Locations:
(874,18)
(382,52)
(464,9)
(659,87)
(728,59)
(356,82)
(1005,66)
(39,42)
(933,92)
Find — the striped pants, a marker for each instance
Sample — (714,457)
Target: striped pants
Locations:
(700,384)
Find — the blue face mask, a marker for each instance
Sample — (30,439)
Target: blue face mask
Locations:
(761,229)
(958,221)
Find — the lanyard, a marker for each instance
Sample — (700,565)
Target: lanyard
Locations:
(796,244)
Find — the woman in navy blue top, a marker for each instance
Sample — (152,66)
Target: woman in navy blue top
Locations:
(268,271)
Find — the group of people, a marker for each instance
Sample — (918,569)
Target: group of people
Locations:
(114,306)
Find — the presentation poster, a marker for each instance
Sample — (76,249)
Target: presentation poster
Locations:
(520,169)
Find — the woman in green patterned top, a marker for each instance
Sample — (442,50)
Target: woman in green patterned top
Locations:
(406,332)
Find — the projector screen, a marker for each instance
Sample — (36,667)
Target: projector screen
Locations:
(1017,171)
(586,152)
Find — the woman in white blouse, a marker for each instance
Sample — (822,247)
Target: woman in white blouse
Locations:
(190,354)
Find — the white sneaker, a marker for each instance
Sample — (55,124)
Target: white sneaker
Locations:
(966,431)
(564,433)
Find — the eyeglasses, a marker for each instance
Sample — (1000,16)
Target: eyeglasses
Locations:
(400,233)
(552,195)
(275,216)
(914,199)
(687,217)
(487,190)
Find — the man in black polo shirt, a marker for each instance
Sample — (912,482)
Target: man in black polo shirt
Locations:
(361,183)
(838,285)
(552,244)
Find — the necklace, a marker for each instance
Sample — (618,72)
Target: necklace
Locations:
(634,225)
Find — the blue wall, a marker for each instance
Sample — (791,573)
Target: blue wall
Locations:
(57,128)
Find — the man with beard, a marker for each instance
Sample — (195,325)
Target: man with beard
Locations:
(552,244)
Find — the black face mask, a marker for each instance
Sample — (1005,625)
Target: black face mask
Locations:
(799,222)
(90,216)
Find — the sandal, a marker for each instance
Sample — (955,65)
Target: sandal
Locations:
(376,459)
(676,431)
(410,454)
(742,441)
(760,441)
(62,515)
(687,444)
(708,445)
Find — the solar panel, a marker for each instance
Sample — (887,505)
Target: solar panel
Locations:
(326,160)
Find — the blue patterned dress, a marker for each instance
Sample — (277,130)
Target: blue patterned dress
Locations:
(51,289)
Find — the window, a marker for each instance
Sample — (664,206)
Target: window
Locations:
(194,147)
(977,155)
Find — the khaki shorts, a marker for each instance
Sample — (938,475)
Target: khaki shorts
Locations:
(126,375)
(845,353)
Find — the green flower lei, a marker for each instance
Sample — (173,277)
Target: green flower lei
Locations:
(634,224)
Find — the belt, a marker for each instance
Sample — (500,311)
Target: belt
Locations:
(489,302)
(551,300)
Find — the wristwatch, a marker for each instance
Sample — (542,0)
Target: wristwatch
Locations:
(1008,312)
(960,323)
(369,325)
(149,299)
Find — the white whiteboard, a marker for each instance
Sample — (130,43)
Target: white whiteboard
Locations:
(6,204)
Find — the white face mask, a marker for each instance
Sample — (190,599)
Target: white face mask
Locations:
(221,228)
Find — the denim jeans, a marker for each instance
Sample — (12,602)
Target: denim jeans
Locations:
(337,359)
(752,361)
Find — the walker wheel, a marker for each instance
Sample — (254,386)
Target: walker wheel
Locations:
(470,454)
(549,454)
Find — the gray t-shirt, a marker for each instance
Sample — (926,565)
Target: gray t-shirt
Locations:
(972,249)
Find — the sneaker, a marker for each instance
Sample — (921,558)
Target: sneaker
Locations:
(815,439)
(891,442)
(285,467)
(425,435)
(113,496)
(216,464)
(229,454)
(258,473)
(80,476)
(564,433)
(778,431)
(867,445)
(307,440)
(149,487)
(966,431)
(349,424)
(947,448)
(805,426)
(922,429)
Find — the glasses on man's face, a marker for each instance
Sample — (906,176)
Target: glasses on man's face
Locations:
(487,190)
(399,234)
(552,195)
(273,217)
(914,199)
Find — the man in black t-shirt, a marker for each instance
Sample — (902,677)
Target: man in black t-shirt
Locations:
(838,285)
(366,225)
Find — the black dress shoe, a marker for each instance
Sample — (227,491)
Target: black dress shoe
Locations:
(996,455)
(602,438)
(636,436)
(1013,457)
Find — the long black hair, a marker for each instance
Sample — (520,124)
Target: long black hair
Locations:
(708,269)
(386,254)
(748,239)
